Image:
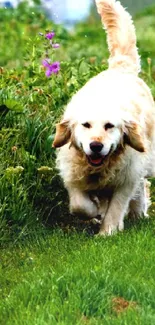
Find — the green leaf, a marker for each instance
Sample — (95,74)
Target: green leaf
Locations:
(10,104)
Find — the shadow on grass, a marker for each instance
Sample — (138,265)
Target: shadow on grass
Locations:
(55,214)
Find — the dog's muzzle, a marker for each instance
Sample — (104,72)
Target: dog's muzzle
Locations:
(96,159)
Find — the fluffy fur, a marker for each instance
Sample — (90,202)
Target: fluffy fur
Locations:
(106,138)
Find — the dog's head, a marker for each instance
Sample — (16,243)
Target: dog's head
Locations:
(98,139)
(98,131)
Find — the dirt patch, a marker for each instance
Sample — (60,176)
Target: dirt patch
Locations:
(120,305)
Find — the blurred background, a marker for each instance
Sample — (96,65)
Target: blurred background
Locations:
(69,11)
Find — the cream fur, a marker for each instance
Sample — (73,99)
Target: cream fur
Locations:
(119,97)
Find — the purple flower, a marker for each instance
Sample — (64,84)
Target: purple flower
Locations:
(48,72)
(46,63)
(51,68)
(55,67)
(50,35)
(55,45)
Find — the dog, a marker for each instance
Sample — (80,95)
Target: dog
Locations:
(106,137)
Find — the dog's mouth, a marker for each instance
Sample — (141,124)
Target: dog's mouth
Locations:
(95,160)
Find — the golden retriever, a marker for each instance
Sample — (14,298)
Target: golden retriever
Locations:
(106,137)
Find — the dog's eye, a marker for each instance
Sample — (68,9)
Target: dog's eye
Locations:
(108,126)
(86,125)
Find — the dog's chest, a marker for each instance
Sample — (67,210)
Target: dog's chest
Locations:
(97,181)
(94,178)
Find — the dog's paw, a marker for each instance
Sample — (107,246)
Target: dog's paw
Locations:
(111,229)
(89,211)
(82,205)
(146,216)
(96,220)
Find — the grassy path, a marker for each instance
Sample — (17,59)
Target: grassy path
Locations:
(78,279)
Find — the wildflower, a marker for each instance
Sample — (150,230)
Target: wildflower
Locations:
(55,45)
(55,67)
(46,63)
(48,72)
(14,149)
(51,68)
(13,171)
(50,35)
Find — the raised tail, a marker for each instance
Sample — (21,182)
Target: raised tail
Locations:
(121,35)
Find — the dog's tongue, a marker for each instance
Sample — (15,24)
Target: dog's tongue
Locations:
(95,161)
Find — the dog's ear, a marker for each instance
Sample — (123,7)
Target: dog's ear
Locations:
(63,134)
(133,136)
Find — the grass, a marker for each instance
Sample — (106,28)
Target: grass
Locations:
(72,278)
(53,270)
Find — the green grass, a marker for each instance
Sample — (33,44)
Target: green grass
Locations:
(53,270)
(73,278)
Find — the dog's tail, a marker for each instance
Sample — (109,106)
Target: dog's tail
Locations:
(120,34)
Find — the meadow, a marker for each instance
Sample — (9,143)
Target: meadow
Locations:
(53,269)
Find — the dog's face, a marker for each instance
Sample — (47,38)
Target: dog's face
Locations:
(98,137)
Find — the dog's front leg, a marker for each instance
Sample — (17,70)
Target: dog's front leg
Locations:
(81,204)
(118,206)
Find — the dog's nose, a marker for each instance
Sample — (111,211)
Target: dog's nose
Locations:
(96,146)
